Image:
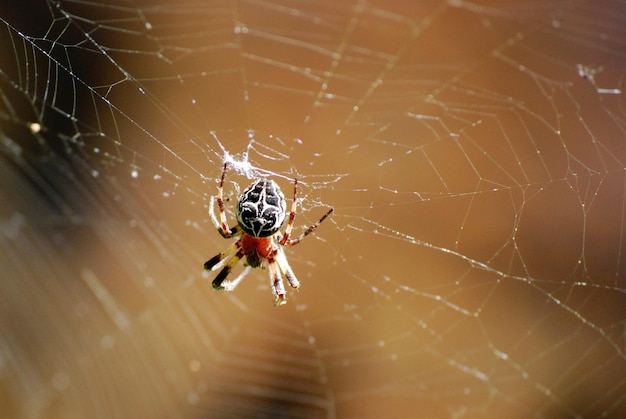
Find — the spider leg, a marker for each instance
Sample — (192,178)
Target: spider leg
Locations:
(308,231)
(283,264)
(218,260)
(229,232)
(292,214)
(231,285)
(217,282)
(213,216)
(277,282)
(222,224)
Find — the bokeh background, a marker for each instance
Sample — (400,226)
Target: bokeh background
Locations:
(474,153)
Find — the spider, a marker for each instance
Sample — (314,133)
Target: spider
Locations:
(261,211)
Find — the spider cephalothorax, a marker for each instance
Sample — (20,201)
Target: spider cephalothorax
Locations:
(261,211)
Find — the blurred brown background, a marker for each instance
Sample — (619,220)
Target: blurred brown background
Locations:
(474,154)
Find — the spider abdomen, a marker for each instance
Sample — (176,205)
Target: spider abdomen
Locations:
(261,209)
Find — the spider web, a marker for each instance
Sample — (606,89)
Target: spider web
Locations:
(474,153)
